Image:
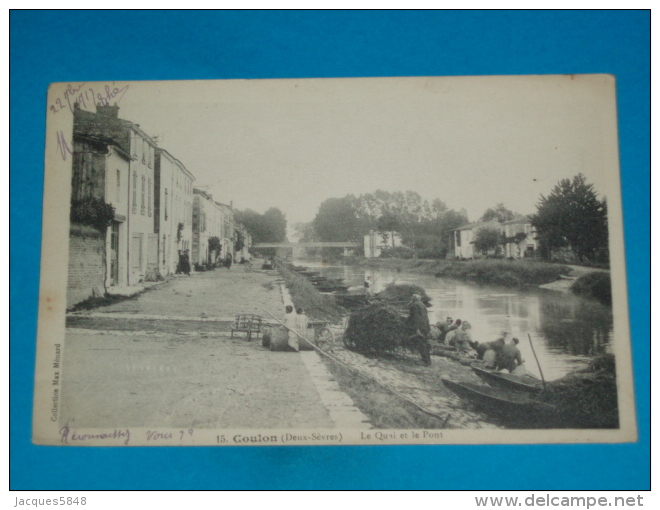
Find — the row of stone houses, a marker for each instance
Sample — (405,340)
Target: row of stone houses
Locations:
(157,209)
(519,236)
(211,219)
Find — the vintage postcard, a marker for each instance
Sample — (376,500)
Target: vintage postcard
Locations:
(432,260)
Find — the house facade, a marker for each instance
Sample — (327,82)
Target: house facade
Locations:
(226,230)
(173,210)
(143,243)
(241,233)
(204,226)
(520,238)
(98,258)
(463,238)
(117,236)
(375,242)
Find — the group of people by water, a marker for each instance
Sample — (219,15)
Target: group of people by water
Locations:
(455,334)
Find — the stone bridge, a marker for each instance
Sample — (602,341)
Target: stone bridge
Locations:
(298,249)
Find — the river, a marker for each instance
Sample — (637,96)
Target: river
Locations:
(567,331)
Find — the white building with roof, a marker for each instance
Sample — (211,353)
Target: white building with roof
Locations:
(174,210)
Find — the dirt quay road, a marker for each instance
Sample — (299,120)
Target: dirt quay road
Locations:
(126,365)
(143,379)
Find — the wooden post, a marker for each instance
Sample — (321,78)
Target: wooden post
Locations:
(537,360)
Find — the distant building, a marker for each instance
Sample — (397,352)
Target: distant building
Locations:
(203,220)
(521,238)
(463,238)
(375,242)
(241,232)
(225,230)
(173,210)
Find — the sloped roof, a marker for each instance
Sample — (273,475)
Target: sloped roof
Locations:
(478,225)
(522,220)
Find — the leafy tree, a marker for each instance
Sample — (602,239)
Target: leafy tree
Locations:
(92,211)
(388,222)
(337,220)
(487,239)
(275,225)
(422,225)
(572,215)
(304,232)
(498,213)
(269,227)
(214,244)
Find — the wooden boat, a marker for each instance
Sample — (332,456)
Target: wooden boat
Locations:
(449,351)
(348,300)
(331,288)
(527,383)
(510,405)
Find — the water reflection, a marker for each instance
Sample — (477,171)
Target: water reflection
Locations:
(566,330)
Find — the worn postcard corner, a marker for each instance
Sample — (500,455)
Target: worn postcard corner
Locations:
(430,260)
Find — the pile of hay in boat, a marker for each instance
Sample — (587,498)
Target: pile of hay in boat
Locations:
(375,329)
(400,295)
(587,398)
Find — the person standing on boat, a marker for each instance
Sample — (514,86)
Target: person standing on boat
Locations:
(510,356)
(418,321)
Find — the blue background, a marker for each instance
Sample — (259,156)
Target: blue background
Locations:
(47,46)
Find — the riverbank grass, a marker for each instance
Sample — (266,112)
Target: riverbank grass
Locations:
(506,273)
(304,295)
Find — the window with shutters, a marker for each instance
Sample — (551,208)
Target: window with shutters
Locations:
(142,197)
(134,192)
(149,201)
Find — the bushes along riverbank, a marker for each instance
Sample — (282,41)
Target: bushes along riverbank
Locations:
(507,273)
(597,285)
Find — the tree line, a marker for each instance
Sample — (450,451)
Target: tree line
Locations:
(570,221)
(570,218)
(424,226)
(269,227)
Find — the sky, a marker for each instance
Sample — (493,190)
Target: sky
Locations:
(472,142)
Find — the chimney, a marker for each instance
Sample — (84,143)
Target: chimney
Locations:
(231,205)
(107,110)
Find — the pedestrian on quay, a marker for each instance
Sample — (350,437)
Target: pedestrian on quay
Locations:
(228,261)
(418,322)
(185,263)
(301,324)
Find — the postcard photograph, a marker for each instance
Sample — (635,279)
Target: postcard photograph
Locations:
(431,260)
